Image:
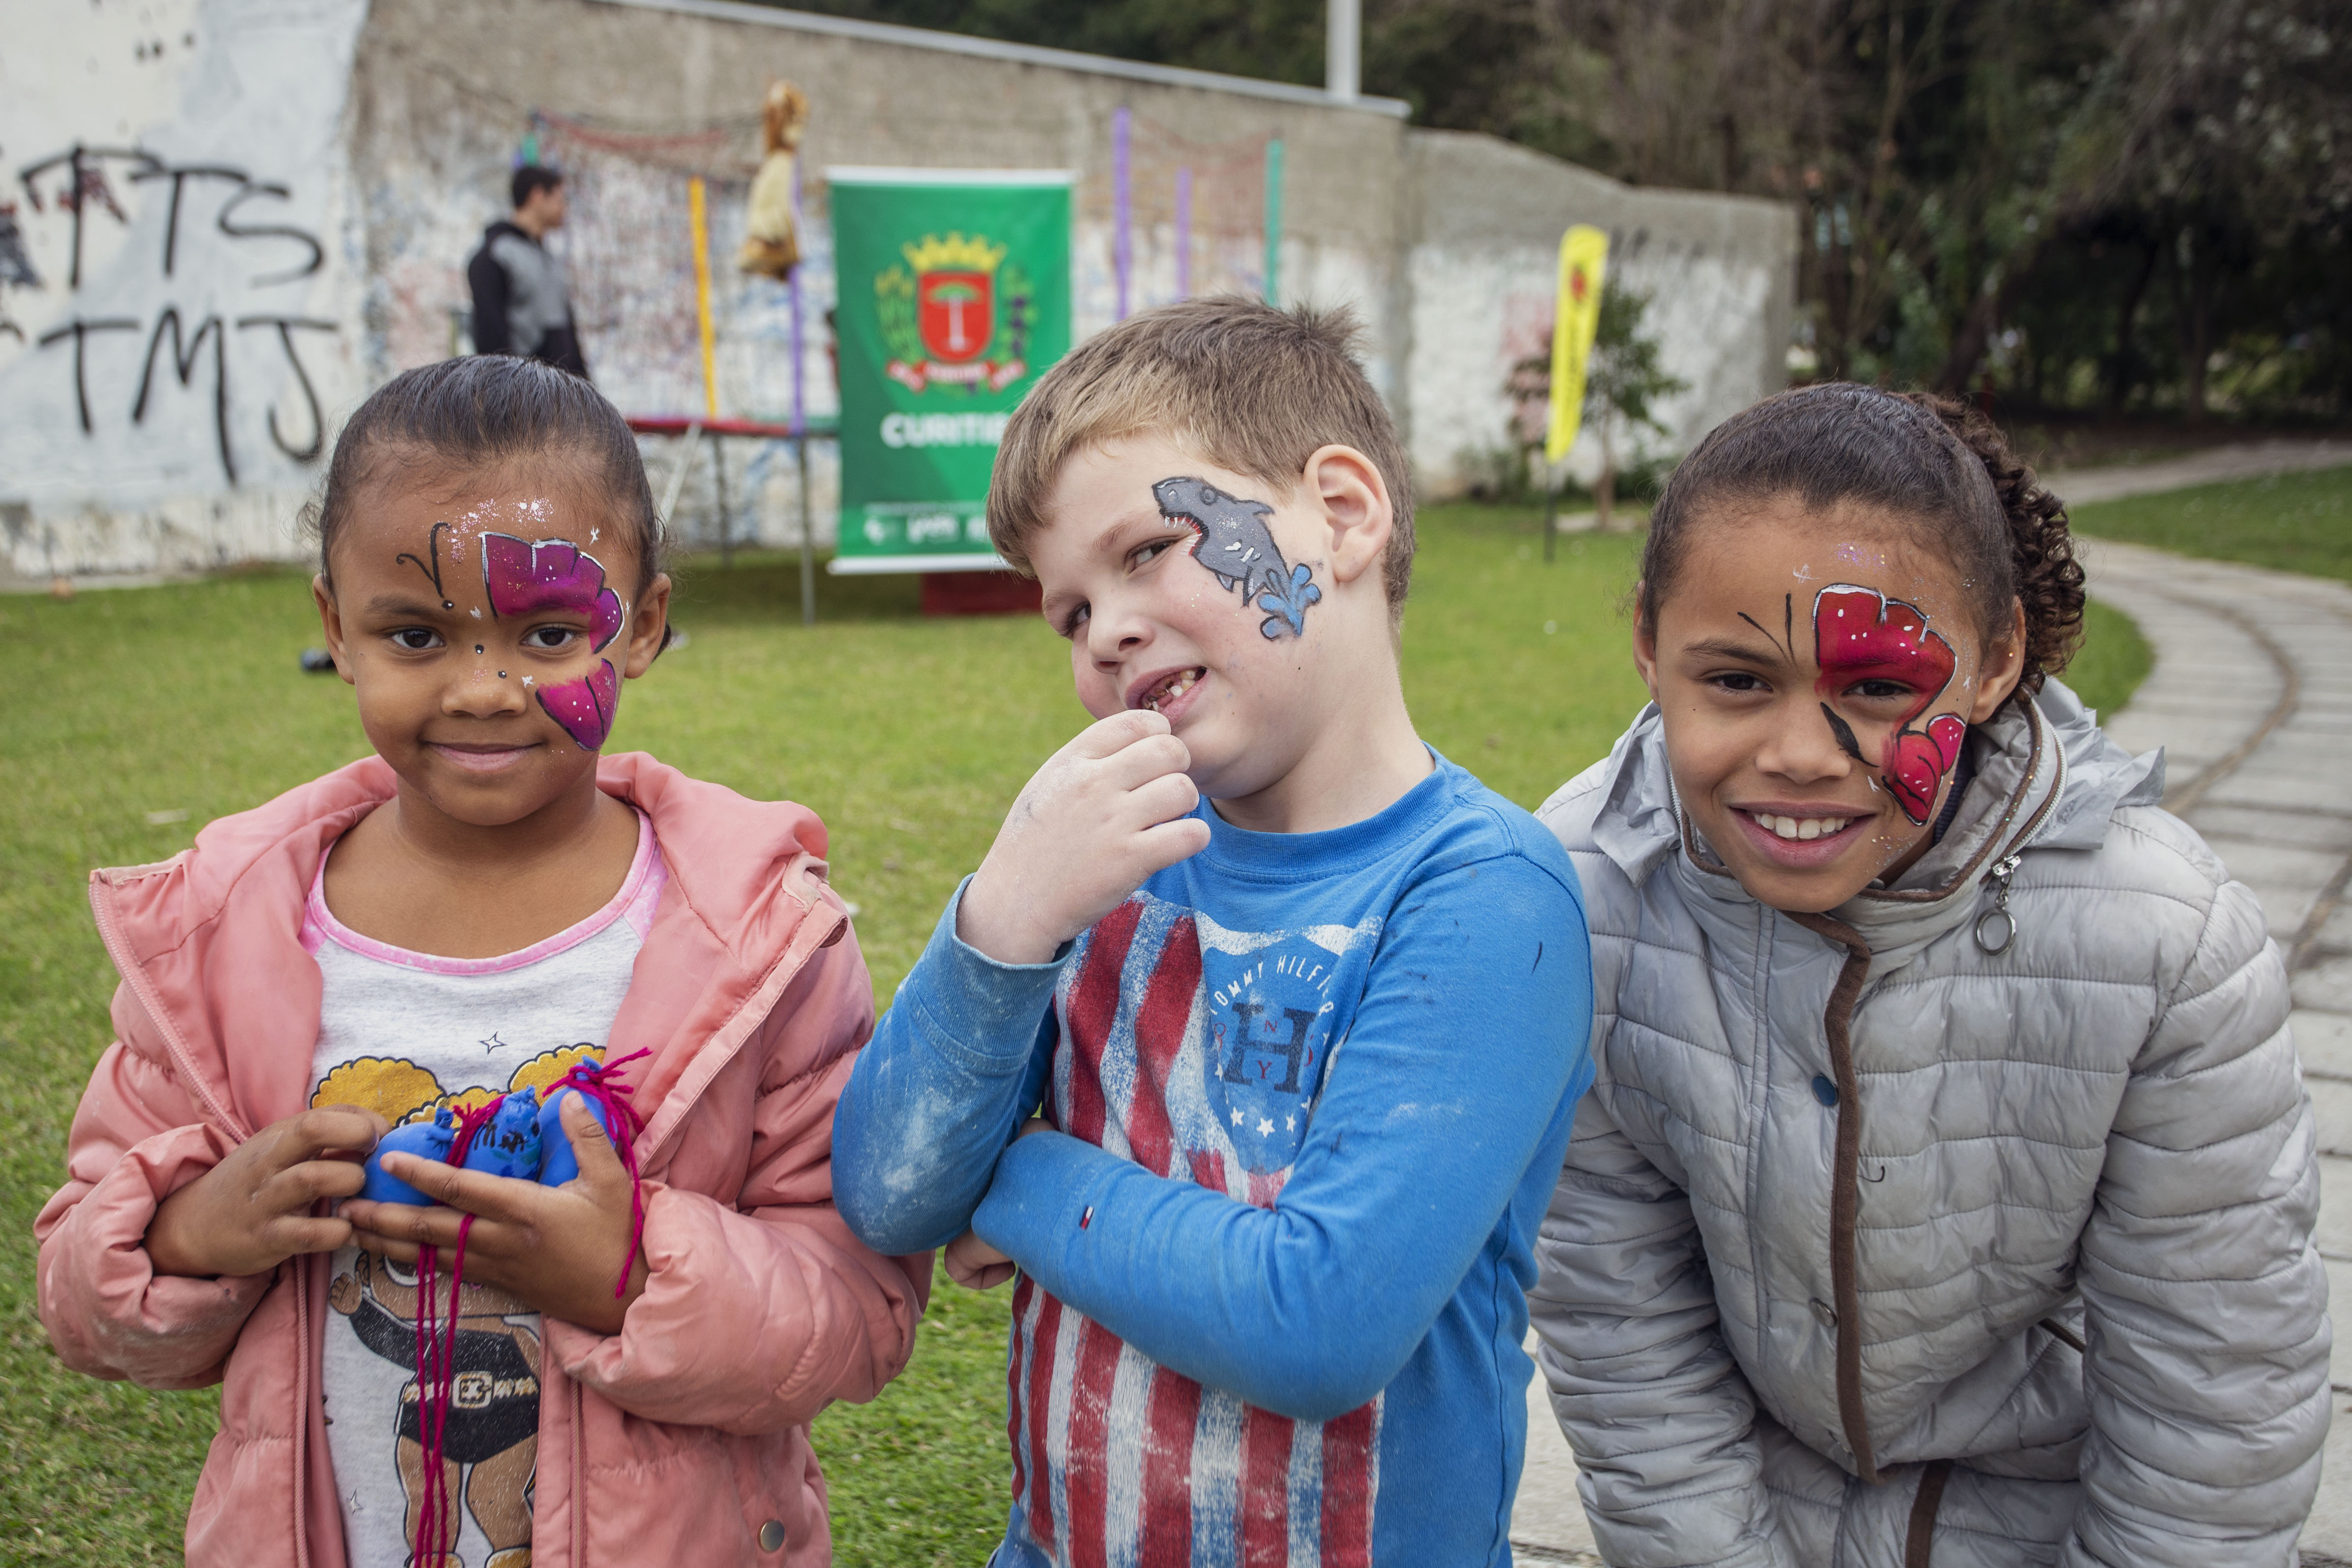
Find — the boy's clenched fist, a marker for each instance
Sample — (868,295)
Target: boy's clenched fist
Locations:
(1105,812)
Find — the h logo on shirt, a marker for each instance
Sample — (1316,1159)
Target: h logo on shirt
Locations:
(1256,1038)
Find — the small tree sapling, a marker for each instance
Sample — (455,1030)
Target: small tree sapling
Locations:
(1622,381)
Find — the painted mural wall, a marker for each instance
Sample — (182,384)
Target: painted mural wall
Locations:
(180,298)
(223,221)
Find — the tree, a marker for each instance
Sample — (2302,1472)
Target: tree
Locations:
(1622,381)
(2096,201)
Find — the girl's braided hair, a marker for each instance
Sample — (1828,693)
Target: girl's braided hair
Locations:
(1933,462)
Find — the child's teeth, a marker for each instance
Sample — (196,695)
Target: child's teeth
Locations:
(1800,828)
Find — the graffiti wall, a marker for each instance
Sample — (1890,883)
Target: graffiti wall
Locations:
(179,302)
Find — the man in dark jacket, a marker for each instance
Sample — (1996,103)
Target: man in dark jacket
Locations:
(521,304)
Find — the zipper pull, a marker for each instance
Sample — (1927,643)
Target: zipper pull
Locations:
(1997,927)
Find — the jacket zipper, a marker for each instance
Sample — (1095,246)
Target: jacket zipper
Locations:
(301,1413)
(579,1475)
(1845,1188)
(1845,1181)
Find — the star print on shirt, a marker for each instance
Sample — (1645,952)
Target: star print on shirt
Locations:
(1266,1126)
(1238,1116)
(493,1044)
(1291,1124)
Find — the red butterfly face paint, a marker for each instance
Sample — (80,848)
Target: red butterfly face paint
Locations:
(1860,634)
(556,575)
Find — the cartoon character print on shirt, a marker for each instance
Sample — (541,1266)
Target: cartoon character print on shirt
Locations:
(1237,547)
(491,1444)
(1860,634)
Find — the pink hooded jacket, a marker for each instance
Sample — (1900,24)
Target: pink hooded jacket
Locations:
(683,1439)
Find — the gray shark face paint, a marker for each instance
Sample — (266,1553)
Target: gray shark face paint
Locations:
(1238,548)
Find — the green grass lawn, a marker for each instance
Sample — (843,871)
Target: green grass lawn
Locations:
(2293,522)
(134,716)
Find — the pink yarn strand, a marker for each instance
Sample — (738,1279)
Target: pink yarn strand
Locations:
(436,1355)
(597,1081)
(436,1344)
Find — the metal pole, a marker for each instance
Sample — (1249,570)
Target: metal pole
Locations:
(697,221)
(808,561)
(1551,515)
(1185,231)
(726,513)
(800,422)
(677,475)
(1343,31)
(1122,124)
(1274,221)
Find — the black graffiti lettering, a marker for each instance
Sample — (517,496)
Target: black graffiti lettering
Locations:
(77,178)
(271,231)
(286,325)
(184,357)
(80,331)
(85,183)
(180,178)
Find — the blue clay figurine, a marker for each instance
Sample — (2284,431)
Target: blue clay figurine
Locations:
(425,1140)
(560,1165)
(507,1145)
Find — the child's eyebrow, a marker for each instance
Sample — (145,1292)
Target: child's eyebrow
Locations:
(393,604)
(1733,648)
(1135,528)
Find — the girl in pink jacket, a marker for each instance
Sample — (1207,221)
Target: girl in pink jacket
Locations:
(630,1367)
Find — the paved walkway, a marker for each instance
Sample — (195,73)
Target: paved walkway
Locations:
(2252,696)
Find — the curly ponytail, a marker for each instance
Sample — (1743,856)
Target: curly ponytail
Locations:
(2047,578)
(1933,461)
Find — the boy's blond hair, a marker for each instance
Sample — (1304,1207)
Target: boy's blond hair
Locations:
(1250,388)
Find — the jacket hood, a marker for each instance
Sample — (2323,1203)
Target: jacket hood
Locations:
(2046,776)
(226,915)
(506,227)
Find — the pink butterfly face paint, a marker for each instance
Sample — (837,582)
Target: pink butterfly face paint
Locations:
(556,576)
(1860,634)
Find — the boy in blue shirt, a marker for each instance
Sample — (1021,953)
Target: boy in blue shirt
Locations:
(1254,1040)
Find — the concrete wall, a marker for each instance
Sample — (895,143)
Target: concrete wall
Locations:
(1481,270)
(180,276)
(378,134)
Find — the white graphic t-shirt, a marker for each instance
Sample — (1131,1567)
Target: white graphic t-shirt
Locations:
(404,1034)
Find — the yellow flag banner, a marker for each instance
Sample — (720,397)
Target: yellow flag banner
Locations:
(1583,255)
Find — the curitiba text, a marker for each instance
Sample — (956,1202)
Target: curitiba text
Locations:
(943,429)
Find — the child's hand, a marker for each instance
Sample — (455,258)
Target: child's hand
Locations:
(974,1264)
(557,1250)
(252,1211)
(1105,812)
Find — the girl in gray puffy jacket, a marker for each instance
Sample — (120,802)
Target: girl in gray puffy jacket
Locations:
(1947,1191)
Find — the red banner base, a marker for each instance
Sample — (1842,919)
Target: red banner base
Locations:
(981,594)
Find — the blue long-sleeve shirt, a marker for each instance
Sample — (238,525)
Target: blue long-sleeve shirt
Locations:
(1313,1091)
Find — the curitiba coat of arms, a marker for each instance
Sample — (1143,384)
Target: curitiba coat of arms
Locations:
(955,315)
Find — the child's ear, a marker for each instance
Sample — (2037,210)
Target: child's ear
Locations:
(330,622)
(1346,487)
(2004,667)
(649,630)
(1645,643)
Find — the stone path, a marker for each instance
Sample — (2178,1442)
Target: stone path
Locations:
(2252,696)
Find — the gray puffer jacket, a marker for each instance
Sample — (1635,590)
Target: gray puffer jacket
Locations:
(1873,1242)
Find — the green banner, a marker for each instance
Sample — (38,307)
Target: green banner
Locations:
(954,297)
